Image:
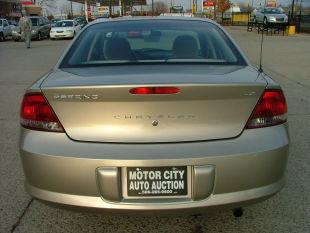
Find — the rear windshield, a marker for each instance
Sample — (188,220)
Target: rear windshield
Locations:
(152,41)
(34,21)
(64,24)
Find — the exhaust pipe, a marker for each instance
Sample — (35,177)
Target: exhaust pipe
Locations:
(238,212)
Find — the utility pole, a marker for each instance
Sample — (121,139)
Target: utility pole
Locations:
(86,10)
(292,13)
(152,7)
(131,7)
(110,8)
(120,7)
(71,10)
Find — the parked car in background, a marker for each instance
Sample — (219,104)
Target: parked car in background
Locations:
(65,29)
(104,16)
(12,24)
(81,21)
(40,29)
(174,119)
(268,15)
(54,21)
(5,29)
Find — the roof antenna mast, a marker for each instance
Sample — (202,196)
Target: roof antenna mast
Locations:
(260,70)
(261,52)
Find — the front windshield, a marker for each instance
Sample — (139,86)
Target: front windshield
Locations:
(64,24)
(272,11)
(147,41)
(34,21)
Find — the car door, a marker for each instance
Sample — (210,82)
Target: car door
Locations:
(44,26)
(6,28)
(261,14)
(77,27)
(47,25)
(41,29)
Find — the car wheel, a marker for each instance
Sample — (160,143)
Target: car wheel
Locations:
(39,36)
(1,37)
(73,34)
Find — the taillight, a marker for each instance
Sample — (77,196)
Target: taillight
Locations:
(37,114)
(270,110)
(154,90)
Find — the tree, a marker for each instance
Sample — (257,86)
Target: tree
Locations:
(223,5)
(65,9)
(245,7)
(82,11)
(160,7)
(48,5)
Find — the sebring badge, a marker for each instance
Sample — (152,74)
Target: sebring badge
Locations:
(154,117)
(75,97)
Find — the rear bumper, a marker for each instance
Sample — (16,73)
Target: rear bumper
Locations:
(247,169)
(225,200)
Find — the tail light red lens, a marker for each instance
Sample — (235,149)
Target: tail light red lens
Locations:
(37,114)
(270,110)
(154,90)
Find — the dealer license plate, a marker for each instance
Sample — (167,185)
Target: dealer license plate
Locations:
(157,181)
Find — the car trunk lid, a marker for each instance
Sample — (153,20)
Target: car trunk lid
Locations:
(213,103)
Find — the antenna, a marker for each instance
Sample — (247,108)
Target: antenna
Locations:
(260,70)
(261,51)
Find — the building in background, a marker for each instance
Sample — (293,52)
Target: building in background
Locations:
(271,3)
(10,9)
(94,8)
(31,8)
